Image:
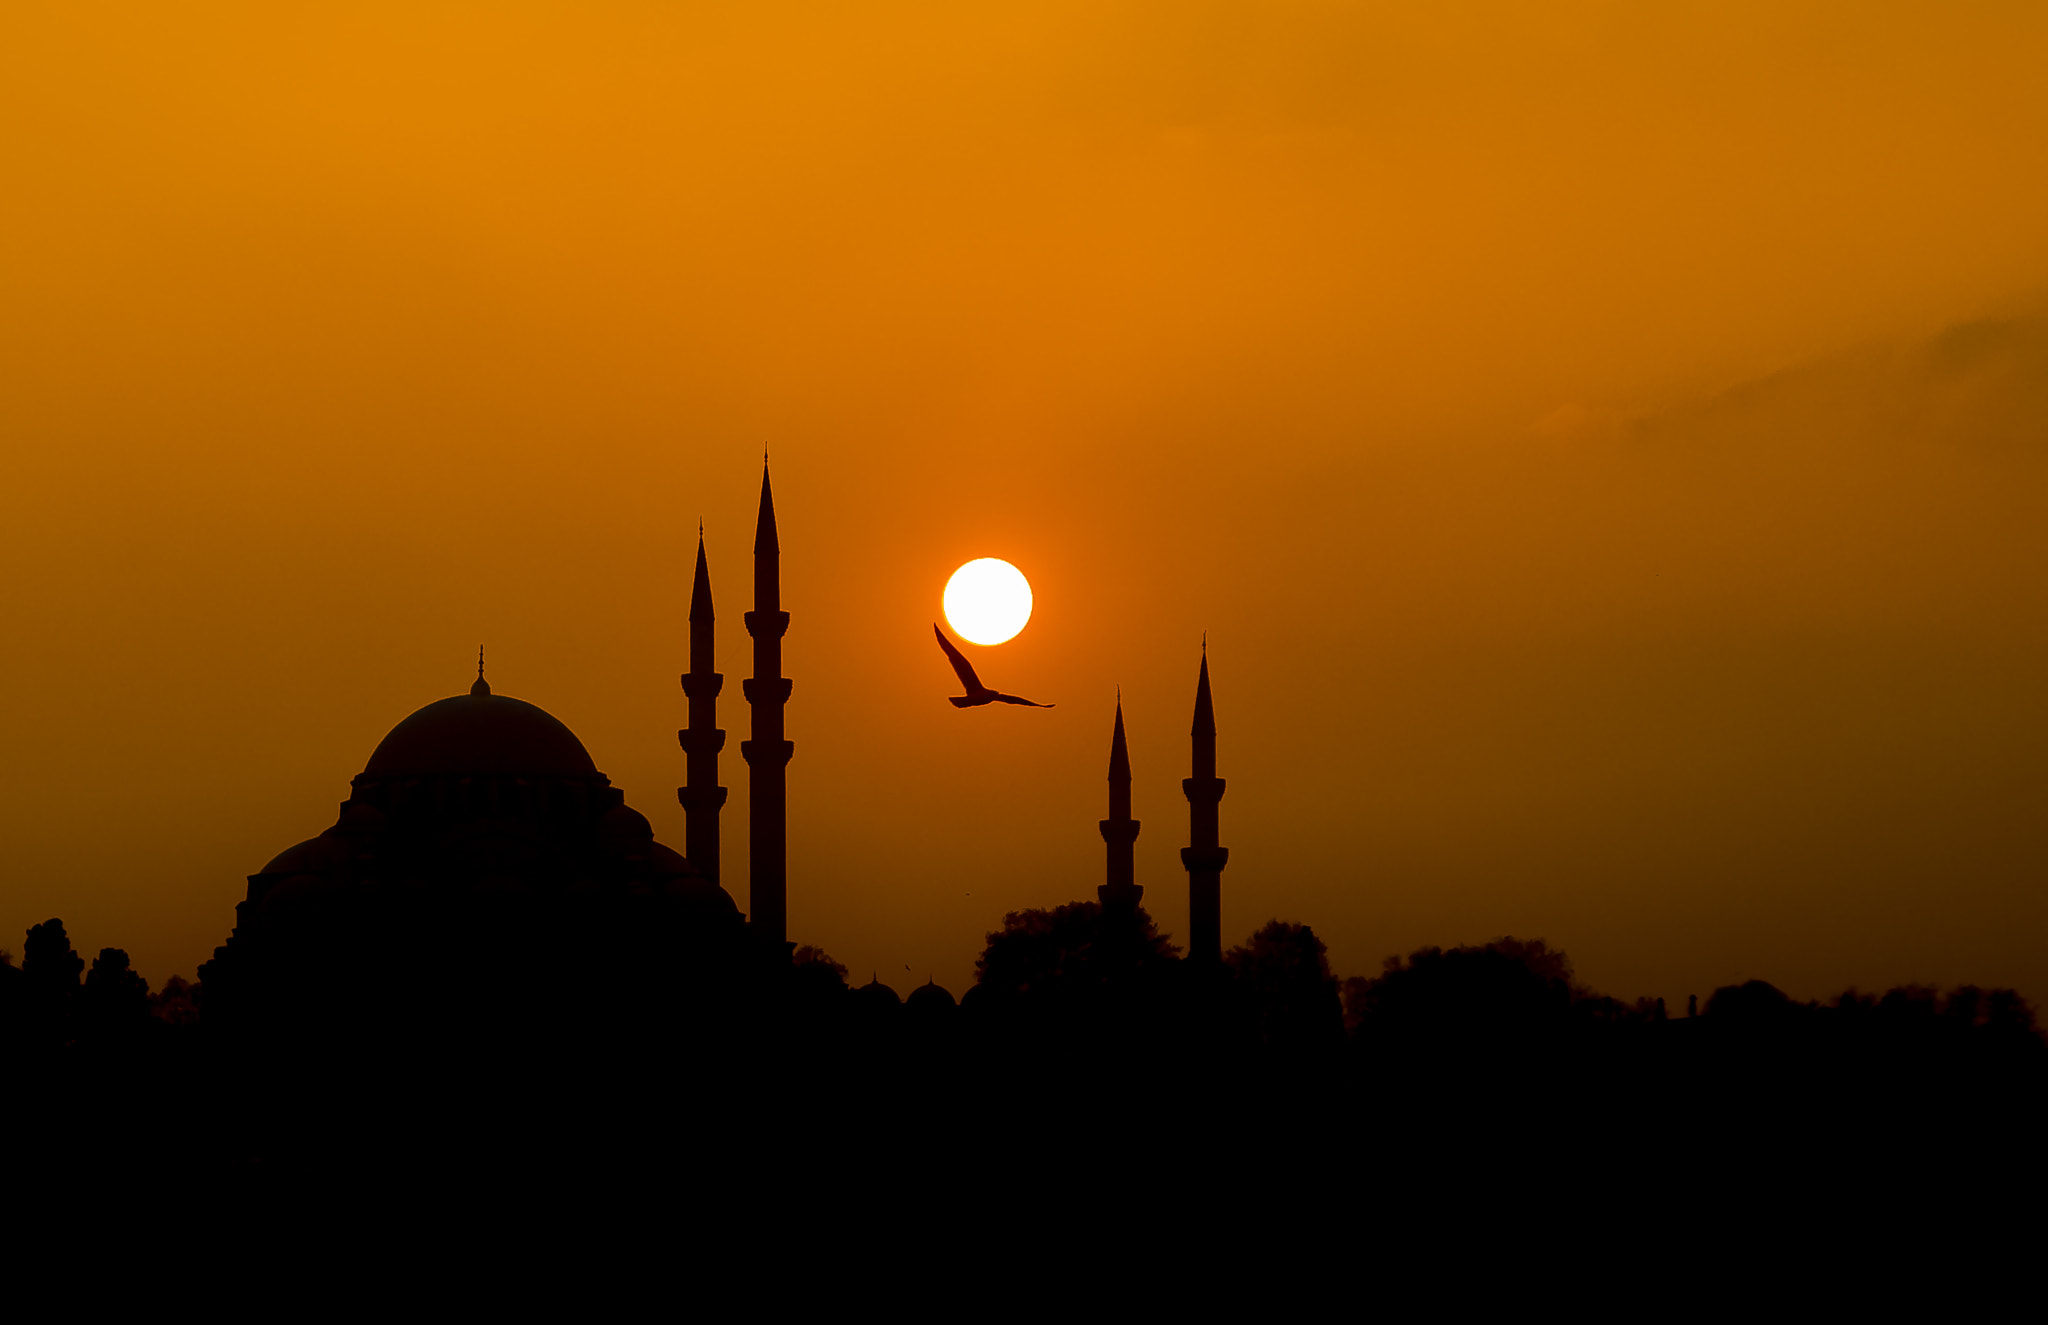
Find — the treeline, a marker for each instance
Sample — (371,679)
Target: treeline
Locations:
(618,1052)
(53,1001)
(1106,975)
(1480,1007)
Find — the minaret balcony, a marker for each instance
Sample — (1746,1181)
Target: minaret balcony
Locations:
(1204,860)
(703,685)
(756,752)
(701,798)
(751,687)
(701,743)
(776,623)
(1202,791)
(1119,832)
(1128,895)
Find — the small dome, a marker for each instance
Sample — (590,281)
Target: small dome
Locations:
(930,994)
(667,860)
(298,892)
(624,831)
(481,733)
(876,993)
(359,819)
(1758,1001)
(309,857)
(702,895)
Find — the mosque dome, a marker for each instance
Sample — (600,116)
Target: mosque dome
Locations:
(308,857)
(929,996)
(481,734)
(876,994)
(667,860)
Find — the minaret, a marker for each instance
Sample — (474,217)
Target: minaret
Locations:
(1120,830)
(1203,858)
(767,753)
(702,798)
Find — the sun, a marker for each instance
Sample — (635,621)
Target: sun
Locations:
(988,601)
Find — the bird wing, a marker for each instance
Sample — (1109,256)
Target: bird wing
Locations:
(960,664)
(1019,699)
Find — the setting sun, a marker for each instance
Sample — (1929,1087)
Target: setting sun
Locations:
(988,601)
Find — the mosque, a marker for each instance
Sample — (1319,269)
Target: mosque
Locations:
(480,829)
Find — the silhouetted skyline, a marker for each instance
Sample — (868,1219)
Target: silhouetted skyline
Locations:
(1599,443)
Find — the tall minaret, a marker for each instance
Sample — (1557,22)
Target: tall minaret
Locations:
(767,753)
(1203,858)
(702,798)
(1120,830)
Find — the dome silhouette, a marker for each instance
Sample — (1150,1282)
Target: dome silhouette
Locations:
(308,857)
(876,994)
(930,995)
(481,733)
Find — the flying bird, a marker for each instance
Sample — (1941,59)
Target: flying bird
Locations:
(977,693)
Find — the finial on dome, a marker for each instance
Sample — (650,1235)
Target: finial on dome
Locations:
(482,687)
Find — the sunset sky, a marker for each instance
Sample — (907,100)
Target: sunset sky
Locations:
(1606,444)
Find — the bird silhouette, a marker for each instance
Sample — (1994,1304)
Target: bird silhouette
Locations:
(977,693)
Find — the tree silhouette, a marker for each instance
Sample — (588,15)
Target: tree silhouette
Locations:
(47,958)
(1510,993)
(815,976)
(1073,953)
(1756,1003)
(50,971)
(177,1003)
(115,1000)
(1911,1023)
(1282,980)
(11,998)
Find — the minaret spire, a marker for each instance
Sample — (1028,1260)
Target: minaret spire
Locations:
(1120,830)
(767,752)
(702,797)
(1202,857)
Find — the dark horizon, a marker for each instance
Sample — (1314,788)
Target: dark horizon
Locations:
(481,844)
(1601,446)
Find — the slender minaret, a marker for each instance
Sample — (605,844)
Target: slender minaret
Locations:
(1120,830)
(1203,858)
(767,753)
(702,797)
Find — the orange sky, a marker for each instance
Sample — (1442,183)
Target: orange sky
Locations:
(1605,444)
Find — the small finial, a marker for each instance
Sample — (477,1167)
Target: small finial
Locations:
(1205,644)
(482,687)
